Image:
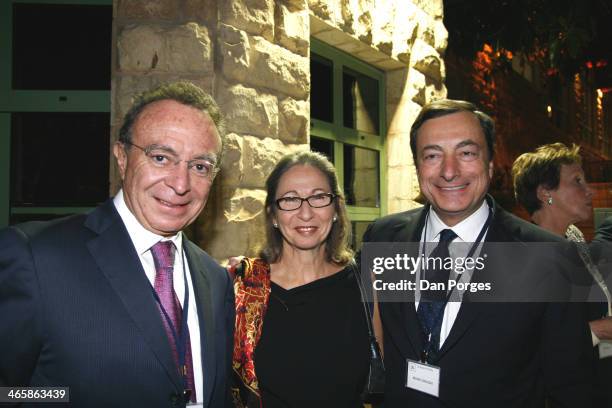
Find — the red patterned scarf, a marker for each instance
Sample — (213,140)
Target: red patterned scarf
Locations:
(252,291)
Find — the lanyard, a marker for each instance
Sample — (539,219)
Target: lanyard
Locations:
(181,342)
(481,234)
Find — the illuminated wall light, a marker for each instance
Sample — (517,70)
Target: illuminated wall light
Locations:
(600,115)
(549,111)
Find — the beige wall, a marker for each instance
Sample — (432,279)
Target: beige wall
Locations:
(253,57)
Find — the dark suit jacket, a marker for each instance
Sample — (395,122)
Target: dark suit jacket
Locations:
(77,310)
(497,354)
(604,231)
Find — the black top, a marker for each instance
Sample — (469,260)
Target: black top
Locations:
(314,348)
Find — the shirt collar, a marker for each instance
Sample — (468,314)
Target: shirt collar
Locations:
(142,238)
(467,230)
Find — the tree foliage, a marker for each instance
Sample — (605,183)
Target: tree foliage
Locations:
(562,35)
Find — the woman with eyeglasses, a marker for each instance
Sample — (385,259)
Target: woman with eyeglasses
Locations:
(301,334)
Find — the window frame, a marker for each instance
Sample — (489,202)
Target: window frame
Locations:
(14,100)
(340,135)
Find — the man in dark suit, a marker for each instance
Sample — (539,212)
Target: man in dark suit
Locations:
(604,231)
(468,354)
(118,305)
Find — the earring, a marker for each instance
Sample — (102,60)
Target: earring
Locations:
(549,201)
(334,219)
(275,224)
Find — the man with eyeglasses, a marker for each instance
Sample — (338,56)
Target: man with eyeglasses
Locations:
(118,305)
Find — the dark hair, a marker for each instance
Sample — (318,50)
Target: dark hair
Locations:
(337,249)
(541,168)
(183,92)
(445,107)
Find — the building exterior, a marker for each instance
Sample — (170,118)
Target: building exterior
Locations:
(344,77)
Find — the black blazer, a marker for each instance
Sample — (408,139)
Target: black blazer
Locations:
(496,354)
(77,310)
(604,231)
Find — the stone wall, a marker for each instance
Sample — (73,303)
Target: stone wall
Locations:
(253,56)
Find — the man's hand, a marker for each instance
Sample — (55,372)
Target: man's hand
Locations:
(232,263)
(602,328)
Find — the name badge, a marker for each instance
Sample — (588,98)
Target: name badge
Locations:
(423,377)
(605,349)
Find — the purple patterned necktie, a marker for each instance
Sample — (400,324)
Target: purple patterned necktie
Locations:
(163,257)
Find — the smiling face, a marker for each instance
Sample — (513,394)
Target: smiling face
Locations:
(165,201)
(454,169)
(306,228)
(572,200)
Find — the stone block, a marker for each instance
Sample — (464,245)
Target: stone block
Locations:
(232,170)
(239,227)
(138,48)
(435,8)
(147,9)
(434,91)
(150,48)
(404,186)
(320,8)
(398,149)
(202,11)
(188,49)
(257,62)
(294,120)
(397,81)
(363,27)
(234,48)
(259,158)
(293,29)
(382,25)
(405,28)
(294,5)
(426,33)
(416,86)
(248,111)
(279,69)
(256,17)
(440,37)
(425,59)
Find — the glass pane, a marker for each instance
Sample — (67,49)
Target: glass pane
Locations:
(59,159)
(358,229)
(361,176)
(360,101)
(321,88)
(59,46)
(323,146)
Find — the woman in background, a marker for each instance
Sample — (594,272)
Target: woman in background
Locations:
(550,184)
(301,334)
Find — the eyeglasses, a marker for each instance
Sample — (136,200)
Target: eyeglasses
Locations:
(315,201)
(165,159)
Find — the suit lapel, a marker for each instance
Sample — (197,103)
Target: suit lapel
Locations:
(408,229)
(201,288)
(114,253)
(470,311)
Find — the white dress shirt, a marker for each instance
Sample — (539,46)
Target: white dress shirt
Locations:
(467,231)
(143,240)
